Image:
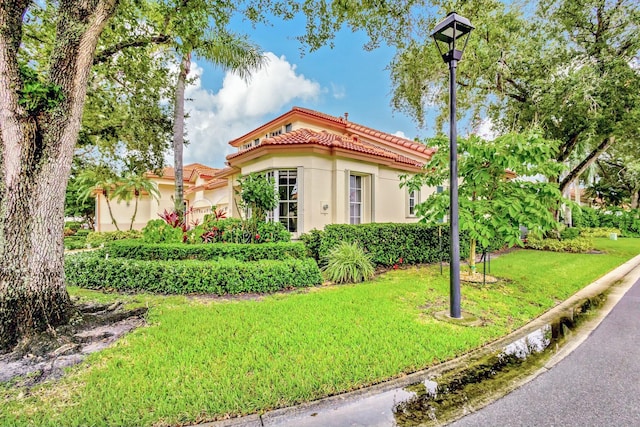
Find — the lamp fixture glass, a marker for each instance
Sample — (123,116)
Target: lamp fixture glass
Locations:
(451,36)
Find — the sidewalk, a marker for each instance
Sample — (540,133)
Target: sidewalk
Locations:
(585,379)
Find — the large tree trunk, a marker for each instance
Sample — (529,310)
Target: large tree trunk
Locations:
(178,133)
(35,161)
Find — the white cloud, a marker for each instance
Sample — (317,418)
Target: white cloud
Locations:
(400,134)
(238,107)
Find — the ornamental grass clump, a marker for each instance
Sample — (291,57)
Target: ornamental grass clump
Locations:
(348,263)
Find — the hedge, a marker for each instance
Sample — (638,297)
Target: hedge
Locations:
(90,270)
(388,243)
(136,249)
(627,221)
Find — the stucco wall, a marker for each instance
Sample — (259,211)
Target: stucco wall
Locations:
(325,182)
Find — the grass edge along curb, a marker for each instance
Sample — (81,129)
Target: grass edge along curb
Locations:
(226,276)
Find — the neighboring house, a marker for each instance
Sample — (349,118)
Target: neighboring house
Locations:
(201,192)
(327,169)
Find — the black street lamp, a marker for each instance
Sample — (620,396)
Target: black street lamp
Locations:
(451,36)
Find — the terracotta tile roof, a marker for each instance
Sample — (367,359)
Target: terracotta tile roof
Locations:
(188,170)
(355,127)
(310,137)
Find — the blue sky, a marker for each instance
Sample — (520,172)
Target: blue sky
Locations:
(334,81)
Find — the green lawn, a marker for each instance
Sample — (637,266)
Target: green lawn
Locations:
(201,360)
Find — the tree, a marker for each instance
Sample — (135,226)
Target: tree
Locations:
(128,109)
(224,49)
(41,105)
(492,203)
(131,186)
(73,205)
(566,67)
(98,179)
(258,196)
(618,173)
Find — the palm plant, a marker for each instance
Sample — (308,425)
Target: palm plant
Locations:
(98,179)
(130,186)
(229,51)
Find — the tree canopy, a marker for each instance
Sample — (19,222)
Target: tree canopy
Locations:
(566,67)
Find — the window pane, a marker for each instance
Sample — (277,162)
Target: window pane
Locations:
(293,209)
(293,225)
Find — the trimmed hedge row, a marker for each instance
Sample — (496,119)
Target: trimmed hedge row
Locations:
(388,243)
(136,249)
(90,270)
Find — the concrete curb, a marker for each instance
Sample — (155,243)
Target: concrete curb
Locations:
(615,283)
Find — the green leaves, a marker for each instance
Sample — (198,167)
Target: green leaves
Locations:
(36,94)
(224,276)
(502,186)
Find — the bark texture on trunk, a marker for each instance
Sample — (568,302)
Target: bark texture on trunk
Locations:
(35,161)
(178,133)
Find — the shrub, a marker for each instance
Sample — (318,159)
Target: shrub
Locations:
(95,240)
(74,242)
(347,262)
(272,232)
(73,225)
(229,276)
(83,233)
(599,232)
(135,249)
(626,221)
(233,230)
(578,245)
(388,242)
(569,233)
(312,241)
(159,231)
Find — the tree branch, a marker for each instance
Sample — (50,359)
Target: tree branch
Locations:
(567,147)
(586,162)
(107,53)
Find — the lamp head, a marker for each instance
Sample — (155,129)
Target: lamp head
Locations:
(451,36)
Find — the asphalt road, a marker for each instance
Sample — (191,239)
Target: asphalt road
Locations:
(598,384)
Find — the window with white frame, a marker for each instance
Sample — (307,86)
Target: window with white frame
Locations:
(286,182)
(414,199)
(355,199)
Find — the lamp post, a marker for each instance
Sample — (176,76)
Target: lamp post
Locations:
(450,34)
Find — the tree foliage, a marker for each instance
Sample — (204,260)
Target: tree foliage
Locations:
(498,191)
(566,67)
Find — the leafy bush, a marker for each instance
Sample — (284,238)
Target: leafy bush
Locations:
(73,243)
(159,231)
(272,232)
(135,249)
(312,241)
(569,233)
(578,245)
(626,221)
(83,233)
(388,242)
(73,225)
(95,240)
(347,263)
(599,232)
(228,276)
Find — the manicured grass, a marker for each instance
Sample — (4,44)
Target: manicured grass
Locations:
(201,359)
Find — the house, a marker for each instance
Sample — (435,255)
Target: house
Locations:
(327,170)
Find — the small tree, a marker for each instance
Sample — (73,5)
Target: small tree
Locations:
(502,187)
(98,179)
(259,196)
(130,186)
